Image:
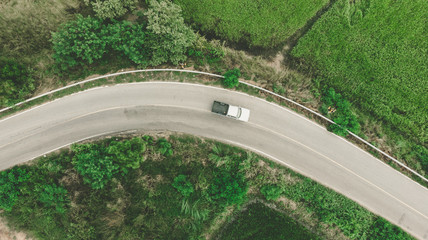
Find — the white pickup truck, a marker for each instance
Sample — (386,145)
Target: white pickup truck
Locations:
(235,112)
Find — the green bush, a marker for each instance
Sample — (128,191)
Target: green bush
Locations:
(342,114)
(11,186)
(15,82)
(128,39)
(164,147)
(231,78)
(168,36)
(228,188)
(111,8)
(204,52)
(79,42)
(127,153)
(91,161)
(54,196)
(182,185)
(271,192)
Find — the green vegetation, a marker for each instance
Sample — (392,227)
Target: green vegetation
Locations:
(265,24)
(231,78)
(339,109)
(15,82)
(186,195)
(79,42)
(111,8)
(260,222)
(374,53)
(169,37)
(165,38)
(271,191)
(183,185)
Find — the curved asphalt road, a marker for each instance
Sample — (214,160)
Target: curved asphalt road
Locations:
(273,131)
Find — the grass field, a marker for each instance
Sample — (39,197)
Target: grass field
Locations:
(264,23)
(375,53)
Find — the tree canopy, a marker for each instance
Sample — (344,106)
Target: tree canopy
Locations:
(168,36)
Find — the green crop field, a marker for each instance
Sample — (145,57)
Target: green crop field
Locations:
(375,53)
(253,23)
(260,222)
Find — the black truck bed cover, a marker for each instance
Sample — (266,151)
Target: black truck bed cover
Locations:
(220,108)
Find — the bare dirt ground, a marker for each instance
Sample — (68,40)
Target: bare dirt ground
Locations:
(8,234)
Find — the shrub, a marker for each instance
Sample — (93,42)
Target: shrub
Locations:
(128,39)
(182,185)
(11,183)
(341,113)
(271,192)
(52,195)
(168,36)
(231,78)
(164,147)
(91,162)
(79,42)
(127,153)
(228,188)
(111,8)
(15,82)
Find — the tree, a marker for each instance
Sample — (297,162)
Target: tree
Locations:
(228,188)
(11,182)
(111,8)
(52,195)
(231,78)
(168,36)
(271,192)
(91,161)
(128,39)
(15,82)
(79,42)
(127,153)
(183,185)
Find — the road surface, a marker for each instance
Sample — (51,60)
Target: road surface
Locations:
(273,131)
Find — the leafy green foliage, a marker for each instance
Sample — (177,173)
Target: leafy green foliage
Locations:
(79,42)
(129,39)
(231,78)
(183,185)
(374,53)
(271,191)
(164,147)
(382,229)
(53,196)
(15,82)
(88,39)
(168,36)
(92,162)
(421,153)
(228,188)
(204,52)
(258,221)
(11,182)
(342,114)
(111,8)
(263,23)
(127,154)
